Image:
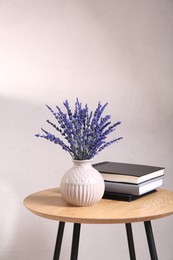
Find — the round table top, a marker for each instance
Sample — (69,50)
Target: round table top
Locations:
(50,204)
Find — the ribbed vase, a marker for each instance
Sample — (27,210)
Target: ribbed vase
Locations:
(82,185)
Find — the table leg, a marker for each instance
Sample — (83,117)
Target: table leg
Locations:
(130,241)
(59,241)
(150,238)
(75,241)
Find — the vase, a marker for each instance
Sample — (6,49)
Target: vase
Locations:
(82,185)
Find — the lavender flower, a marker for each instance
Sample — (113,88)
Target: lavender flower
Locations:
(85,132)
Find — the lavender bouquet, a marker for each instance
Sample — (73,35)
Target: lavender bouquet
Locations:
(84,132)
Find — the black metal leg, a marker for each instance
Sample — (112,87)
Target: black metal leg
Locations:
(130,241)
(150,238)
(59,241)
(75,241)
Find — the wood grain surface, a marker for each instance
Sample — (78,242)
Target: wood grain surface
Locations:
(50,204)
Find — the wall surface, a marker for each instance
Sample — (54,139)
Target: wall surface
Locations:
(120,52)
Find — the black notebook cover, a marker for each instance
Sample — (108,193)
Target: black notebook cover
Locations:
(129,169)
(124,197)
(126,172)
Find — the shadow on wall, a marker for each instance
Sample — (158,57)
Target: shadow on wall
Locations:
(8,215)
(22,237)
(25,167)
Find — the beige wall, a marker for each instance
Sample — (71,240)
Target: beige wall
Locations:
(115,51)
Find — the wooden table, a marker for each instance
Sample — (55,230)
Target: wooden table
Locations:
(49,204)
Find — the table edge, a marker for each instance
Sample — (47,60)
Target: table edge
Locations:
(95,221)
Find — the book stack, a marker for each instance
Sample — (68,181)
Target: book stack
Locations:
(124,181)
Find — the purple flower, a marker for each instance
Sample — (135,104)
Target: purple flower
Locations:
(84,132)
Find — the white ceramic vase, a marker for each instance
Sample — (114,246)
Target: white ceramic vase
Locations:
(82,185)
